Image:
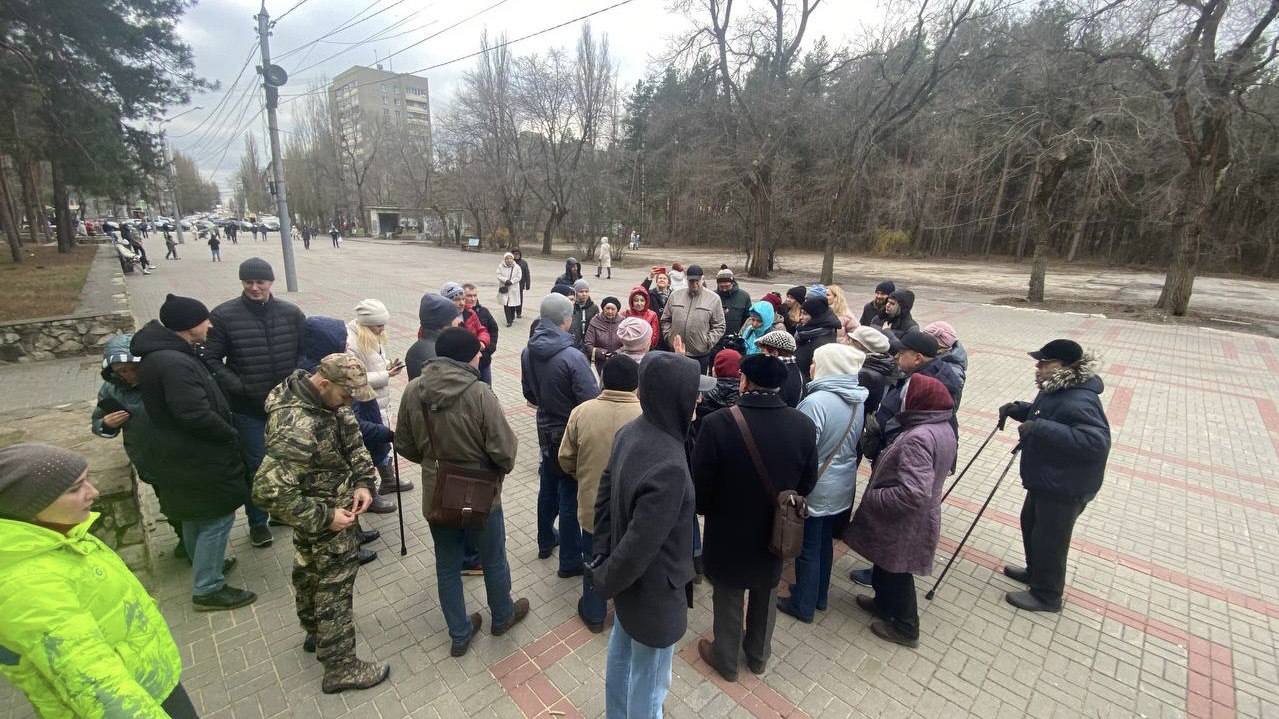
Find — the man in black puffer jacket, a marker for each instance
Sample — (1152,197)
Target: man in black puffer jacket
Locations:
(192,452)
(1065,441)
(259,336)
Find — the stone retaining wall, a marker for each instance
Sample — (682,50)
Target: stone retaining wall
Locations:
(121,525)
(103,310)
(53,337)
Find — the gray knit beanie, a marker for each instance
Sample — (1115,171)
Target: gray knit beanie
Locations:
(256,268)
(33,476)
(555,309)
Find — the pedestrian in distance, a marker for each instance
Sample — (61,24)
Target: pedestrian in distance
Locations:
(318,477)
(643,541)
(556,378)
(604,259)
(584,454)
(170,247)
(739,505)
(572,272)
(306,237)
(81,636)
(835,403)
(510,287)
(336,236)
(215,245)
(254,344)
(873,312)
(448,415)
(526,279)
(1065,442)
(193,450)
(696,317)
(898,522)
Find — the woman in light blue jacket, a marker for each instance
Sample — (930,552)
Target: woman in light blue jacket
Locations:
(835,402)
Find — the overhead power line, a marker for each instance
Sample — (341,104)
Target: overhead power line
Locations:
(543,31)
(225,96)
(347,25)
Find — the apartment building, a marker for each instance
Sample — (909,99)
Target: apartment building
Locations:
(362,96)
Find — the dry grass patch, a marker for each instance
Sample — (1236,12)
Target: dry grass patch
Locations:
(46,283)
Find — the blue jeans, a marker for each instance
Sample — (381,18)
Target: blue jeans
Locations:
(253,446)
(593,608)
(813,566)
(206,544)
(486,375)
(637,677)
(491,539)
(557,494)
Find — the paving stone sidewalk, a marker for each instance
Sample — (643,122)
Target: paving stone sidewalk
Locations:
(1171,610)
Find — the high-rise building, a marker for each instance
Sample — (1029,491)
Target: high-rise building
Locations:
(365,99)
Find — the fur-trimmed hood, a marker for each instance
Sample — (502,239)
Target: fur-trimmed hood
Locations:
(1080,374)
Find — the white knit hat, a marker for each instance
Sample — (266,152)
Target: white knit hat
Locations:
(872,339)
(834,358)
(371,313)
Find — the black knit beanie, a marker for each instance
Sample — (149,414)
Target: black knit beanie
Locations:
(815,306)
(182,313)
(611,301)
(798,292)
(887,287)
(621,373)
(457,343)
(256,268)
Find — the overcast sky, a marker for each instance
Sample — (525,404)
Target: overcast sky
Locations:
(222,35)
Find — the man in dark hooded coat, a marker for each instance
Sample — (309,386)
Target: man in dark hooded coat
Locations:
(643,540)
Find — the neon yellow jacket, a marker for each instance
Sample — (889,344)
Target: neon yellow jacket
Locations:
(78,633)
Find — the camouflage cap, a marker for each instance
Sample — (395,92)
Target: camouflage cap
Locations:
(347,371)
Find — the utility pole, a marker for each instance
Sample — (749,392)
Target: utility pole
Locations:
(273,77)
(173,187)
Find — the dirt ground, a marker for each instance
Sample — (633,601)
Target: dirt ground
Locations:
(45,284)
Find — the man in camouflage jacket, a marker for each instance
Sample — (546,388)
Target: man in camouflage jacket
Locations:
(318,477)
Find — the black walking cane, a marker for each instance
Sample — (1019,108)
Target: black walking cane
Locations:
(399,503)
(998,427)
(932,592)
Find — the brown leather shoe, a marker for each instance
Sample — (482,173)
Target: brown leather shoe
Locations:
(521,611)
(706,651)
(888,633)
(866,603)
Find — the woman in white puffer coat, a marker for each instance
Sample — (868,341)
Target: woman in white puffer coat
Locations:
(366,339)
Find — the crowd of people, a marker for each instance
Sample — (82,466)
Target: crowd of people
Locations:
(679,402)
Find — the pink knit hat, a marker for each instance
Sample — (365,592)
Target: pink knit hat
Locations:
(635,334)
(943,333)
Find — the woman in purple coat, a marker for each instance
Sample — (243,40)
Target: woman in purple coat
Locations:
(898,522)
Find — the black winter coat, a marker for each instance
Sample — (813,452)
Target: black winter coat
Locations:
(878,371)
(792,391)
(260,342)
(644,519)
(731,495)
(420,353)
(193,452)
(821,330)
(490,324)
(526,277)
(1064,451)
(872,315)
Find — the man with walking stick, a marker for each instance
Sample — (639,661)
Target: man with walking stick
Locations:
(1065,440)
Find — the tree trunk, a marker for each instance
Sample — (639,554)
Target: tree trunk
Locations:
(999,202)
(761,227)
(10,225)
(62,211)
(1085,214)
(1194,212)
(28,174)
(552,222)
(1047,181)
